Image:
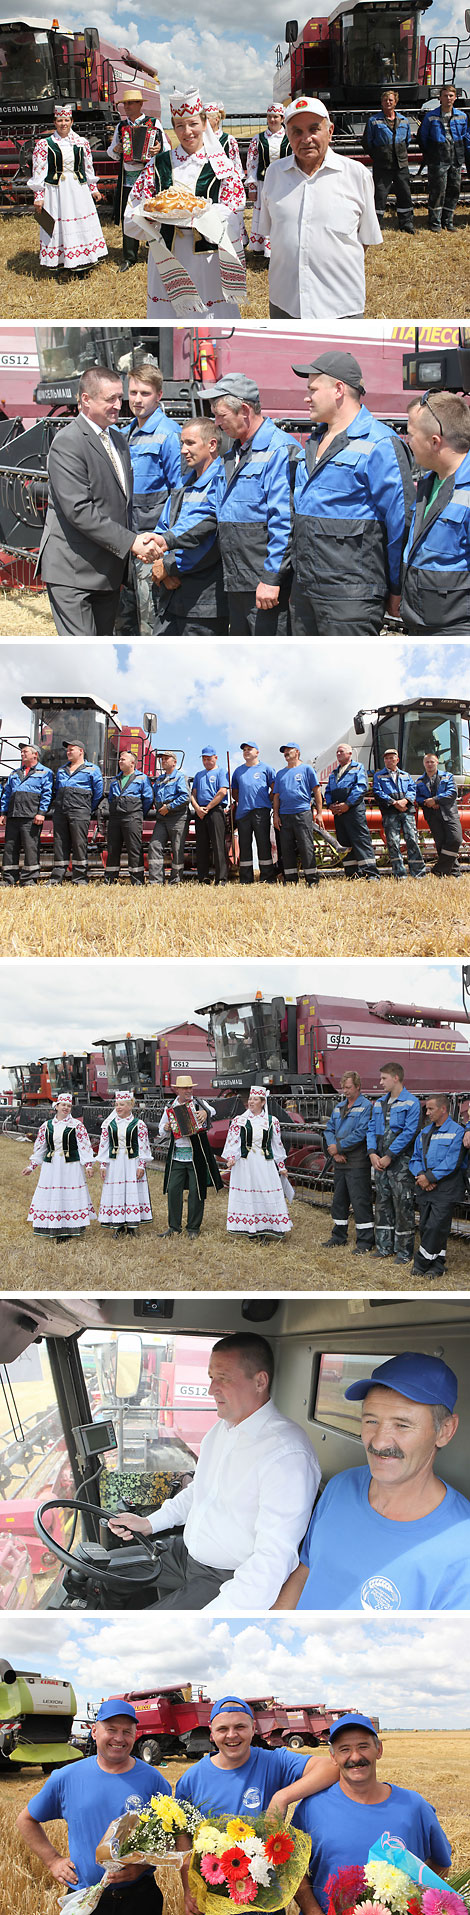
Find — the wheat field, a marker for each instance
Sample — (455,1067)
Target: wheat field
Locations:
(214,1261)
(337,920)
(436,1764)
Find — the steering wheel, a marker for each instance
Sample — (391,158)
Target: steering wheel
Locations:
(97,1559)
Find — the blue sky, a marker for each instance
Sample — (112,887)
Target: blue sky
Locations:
(413,1672)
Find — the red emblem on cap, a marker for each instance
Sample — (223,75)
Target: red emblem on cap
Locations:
(300,103)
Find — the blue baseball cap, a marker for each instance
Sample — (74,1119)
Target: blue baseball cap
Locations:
(290,747)
(248,744)
(352,1722)
(230,1703)
(115,1707)
(209,751)
(424,1379)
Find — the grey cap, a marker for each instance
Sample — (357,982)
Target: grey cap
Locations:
(336,365)
(238,386)
(74,741)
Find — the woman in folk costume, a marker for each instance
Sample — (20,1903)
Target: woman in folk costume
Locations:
(255,1156)
(186,271)
(271,144)
(61,1206)
(190,1163)
(64,184)
(123,1152)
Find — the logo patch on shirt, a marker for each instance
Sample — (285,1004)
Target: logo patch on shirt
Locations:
(379,1593)
(252,1801)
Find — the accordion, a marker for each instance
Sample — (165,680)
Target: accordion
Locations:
(186,1119)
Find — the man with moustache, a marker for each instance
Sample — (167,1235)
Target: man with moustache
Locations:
(88,1796)
(346,1820)
(404,1534)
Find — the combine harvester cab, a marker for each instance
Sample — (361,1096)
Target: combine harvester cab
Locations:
(347,56)
(41,62)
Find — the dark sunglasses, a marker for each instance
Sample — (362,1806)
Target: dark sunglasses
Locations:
(424,401)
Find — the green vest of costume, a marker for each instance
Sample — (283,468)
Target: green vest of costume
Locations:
(55,163)
(132,1137)
(207,187)
(246,1139)
(69,1143)
(263,154)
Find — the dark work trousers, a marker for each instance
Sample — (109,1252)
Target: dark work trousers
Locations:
(394,1205)
(185,1583)
(183,1177)
(125,831)
(446,829)
(246,621)
(397,181)
(130,246)
(353,1187)
(71,837)
(342,615)
(297,841)
(187,625)
(136,610)
(256,824)
(81,614)
(141,1897)
(444,177)
(394,823)
(352,830)
(210,836)
(435,1217)
(168,831)
(21,834)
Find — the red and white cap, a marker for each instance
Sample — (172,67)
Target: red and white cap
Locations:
(189,102)
(306,105)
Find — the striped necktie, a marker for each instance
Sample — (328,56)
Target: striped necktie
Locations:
(106,440)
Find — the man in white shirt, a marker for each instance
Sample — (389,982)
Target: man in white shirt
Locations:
(246,1510)
(317,209)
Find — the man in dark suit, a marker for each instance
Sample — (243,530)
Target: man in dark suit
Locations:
(88,535)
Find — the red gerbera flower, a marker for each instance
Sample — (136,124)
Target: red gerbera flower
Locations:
(344,1888)
(235,1865)
(245,1891)
(279,1847)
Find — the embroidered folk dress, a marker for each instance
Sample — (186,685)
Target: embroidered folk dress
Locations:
(203,267)
(124,1199)
(258,242)
(256,1202)
(77,239)
(61,1204)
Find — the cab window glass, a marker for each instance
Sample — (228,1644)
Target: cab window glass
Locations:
(335,1373)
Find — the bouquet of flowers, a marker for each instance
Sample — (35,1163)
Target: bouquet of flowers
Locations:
(247,1864)
(147,1833)
(382,1887)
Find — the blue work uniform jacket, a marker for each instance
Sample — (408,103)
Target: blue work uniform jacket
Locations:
(387,145)
(386,789)
(39,781)
(432,137)
(352,510)
(137,791)
(347,1125)
(439,1152)
(189,522)
(436,562)
(346,787)
(86,780)
(255,516)
(443,788)
(155,450)
(402,1118)
(172,791)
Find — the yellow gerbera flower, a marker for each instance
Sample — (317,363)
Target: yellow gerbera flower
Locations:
(237,1828)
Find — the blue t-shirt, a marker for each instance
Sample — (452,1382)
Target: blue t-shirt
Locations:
(251,786)
(88,1799)
(343,1831)
(246,1790)
(295,787)
(383,1564)
(206,783)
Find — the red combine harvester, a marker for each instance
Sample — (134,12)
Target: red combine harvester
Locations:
(41,62)
(347,56)
(173,1723)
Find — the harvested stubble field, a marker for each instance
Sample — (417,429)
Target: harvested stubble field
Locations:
(437,1765)
(425,275)
(26,615)
(215,1261)
(338,920)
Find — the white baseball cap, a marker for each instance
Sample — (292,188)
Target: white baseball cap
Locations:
(304,105)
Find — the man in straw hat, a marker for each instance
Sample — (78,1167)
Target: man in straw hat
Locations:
(190,1163)
(65,190)
(135,137)
(317,209)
